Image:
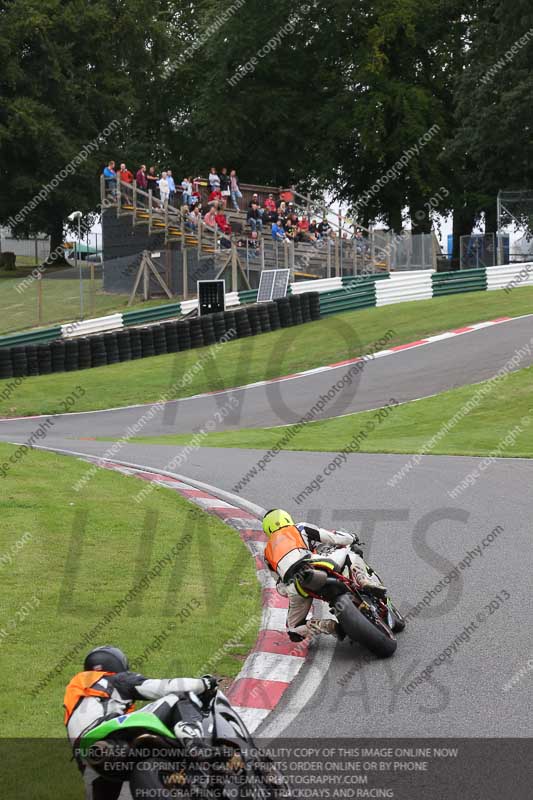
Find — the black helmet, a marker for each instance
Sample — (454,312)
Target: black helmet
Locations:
(106,658)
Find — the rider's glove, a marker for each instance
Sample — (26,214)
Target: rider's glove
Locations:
(210,683)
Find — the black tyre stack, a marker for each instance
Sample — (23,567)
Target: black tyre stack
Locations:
(124,345)
(111,348)
(230,322)
(58,356)
(264,319)
(84,352)
(160,340)
(253,318)
(219,325)
(20,362)
(314,304)
(171,336)
(305,307)
(6,365)
(44,358)
(242,323)
(135,343)
(197,336)
(284,310)
(147,342)
(208,329)
(98,351)
(184,335)
(31,358)
(295,303)
(273,315)
(72,356)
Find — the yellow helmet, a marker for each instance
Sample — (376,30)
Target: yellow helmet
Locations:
(275,519)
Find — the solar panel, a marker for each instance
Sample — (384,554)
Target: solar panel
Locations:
(273,285)
(281,283)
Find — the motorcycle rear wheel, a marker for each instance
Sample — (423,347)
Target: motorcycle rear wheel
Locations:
(376,637)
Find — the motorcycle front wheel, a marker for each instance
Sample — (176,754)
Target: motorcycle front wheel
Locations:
(376,636)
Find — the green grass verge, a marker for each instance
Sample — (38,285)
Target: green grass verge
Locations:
(262,357)
(61,302)
(81,553)
(407,428)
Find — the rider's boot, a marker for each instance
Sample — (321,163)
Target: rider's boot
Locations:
(367,578)
(328,626)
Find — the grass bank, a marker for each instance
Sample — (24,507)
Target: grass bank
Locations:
(262,357)
(465,421)
(68,558)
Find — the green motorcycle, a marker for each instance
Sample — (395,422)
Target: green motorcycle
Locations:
(219,760)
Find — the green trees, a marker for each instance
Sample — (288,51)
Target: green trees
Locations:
(396,106)
(72,76)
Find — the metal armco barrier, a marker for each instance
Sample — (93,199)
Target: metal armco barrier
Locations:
(403,287)
(467,280)
(336,295)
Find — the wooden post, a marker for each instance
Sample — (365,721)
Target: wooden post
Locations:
(93,291)
(36,243)
(150,211)
(146,282)
(40,298)
(337,261)
(185,265)
(328,258)
(262,251)
(234,276)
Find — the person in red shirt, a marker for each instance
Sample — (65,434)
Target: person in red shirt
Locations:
(216,195)
(125,177)
(270,203)
(223,223)
(125,174)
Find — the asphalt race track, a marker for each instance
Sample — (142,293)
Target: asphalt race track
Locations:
(405,375)
(415,534)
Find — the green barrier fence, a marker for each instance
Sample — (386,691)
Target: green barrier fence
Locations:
(151,314)
(468,280)
(31,337)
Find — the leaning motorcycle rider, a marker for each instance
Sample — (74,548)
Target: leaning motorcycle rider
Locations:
(290,552)
(106,688)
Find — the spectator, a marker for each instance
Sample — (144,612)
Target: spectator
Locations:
(164,189)
(303,229)
(286,194)
(255,199)
(194,217)
(214,180)
(153,182)
(225,185)
(216,198)
(186,214)
(196,196)
(222,223)
(361,245)
(140,177)
(110,177)
(278,232)
(126,179)
(253,218)
(210,218)
(236,193)
(186,191)
(282,211)
(291,228)
(171,187)
(313,230)
(324,228)
(125,175)
(270,204)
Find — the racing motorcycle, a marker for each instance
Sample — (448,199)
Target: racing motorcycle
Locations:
(365,618)
(220,762)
